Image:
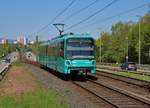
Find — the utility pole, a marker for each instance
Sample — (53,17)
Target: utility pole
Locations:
(37,46)
(100,47)
(149,53)
(139,44)
(100,50)
(127,54)
(139,40)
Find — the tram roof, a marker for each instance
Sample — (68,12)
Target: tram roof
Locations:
(65,36)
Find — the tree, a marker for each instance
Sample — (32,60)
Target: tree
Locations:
(123,40)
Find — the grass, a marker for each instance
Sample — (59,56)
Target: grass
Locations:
(134,75)
(40,97)
(17,63)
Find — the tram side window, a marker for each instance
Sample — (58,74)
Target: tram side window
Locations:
(62,49)
(42,50)
(49,51)
(53,50)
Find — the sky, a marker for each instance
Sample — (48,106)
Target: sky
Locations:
(27,17)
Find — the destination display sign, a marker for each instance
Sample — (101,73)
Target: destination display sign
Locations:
(78,40)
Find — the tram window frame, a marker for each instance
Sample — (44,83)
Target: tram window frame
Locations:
(61,50)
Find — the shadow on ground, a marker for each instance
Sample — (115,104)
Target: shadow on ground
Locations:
(72,77)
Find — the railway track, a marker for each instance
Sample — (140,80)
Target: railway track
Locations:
(130,80)
(140,72)
(111,95)
(128,84)
(107,96)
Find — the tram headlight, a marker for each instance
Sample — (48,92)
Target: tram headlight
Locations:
(68,62)
(93,62)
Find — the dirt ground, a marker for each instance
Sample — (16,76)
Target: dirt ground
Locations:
(75,96)
(16,82)
(22,79)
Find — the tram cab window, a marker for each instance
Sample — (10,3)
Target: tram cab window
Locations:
(80,48)
(61,50)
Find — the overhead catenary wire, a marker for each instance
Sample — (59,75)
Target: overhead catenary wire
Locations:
(126,12)
(58,15)
(97,12)
(80,10)
(117,15)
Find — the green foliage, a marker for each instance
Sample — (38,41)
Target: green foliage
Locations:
(40,98)
(133,75)
(17,63)
(7,48)
(35,47)
(124,39)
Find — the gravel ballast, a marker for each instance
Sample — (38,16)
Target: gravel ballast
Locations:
(75,96)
